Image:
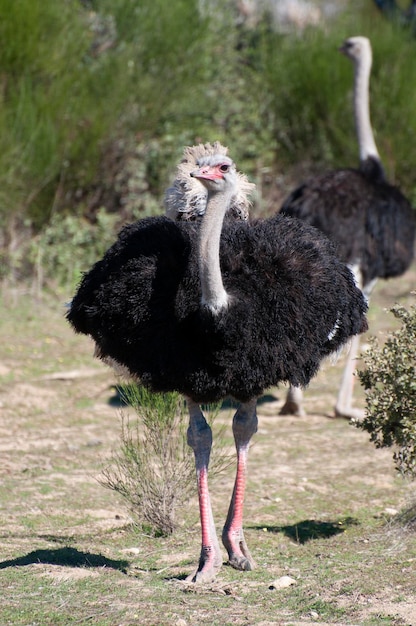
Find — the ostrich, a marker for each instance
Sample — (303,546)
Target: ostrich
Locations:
(369,220)
(219,308)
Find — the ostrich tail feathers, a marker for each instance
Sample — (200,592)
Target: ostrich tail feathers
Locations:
(186,198)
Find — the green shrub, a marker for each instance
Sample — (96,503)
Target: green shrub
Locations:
(69,246)
(153,468)
(389,379)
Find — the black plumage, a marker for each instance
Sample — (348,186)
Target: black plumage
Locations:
(370,221)
(394,11)
(141,305)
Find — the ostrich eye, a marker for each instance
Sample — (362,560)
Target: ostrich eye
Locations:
(224,167)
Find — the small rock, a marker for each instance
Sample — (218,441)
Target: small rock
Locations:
(391,511)
(92,443)
(282,582)
(131,550)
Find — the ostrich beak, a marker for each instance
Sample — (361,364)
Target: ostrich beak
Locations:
(202,172)
(207,173)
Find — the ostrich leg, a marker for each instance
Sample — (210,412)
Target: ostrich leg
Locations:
(343,406)
(244,427)
(293,403)
(200,440)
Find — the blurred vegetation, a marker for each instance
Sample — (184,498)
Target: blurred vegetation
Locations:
(98,98)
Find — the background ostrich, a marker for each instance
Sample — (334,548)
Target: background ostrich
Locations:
(214,309)
(392,10)
(371,222)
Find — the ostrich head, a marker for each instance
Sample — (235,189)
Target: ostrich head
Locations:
(357,48)
(216,172)
(186,197)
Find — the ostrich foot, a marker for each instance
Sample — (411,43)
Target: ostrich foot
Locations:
(294,402)
(210,563)
(292,408)
(349,413)
(239,555)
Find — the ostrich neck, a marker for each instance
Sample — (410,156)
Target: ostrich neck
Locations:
(214,295)
(366,142)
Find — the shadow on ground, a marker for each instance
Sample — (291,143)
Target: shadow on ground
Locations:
(71,557)
(310,529)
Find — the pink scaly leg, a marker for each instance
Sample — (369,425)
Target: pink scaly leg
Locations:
(200,440)
(244,427)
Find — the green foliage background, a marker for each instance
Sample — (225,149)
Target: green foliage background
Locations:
(98,98)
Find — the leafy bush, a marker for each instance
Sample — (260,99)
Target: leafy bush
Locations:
(69,246)
(389,379)
(154,468)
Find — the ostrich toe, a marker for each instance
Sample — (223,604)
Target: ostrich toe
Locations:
(239,555)
(210,563)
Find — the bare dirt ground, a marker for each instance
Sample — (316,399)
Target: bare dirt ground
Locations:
(59,421)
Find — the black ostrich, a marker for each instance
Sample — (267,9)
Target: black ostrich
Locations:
(405,17)
(218,308)
(369,220)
